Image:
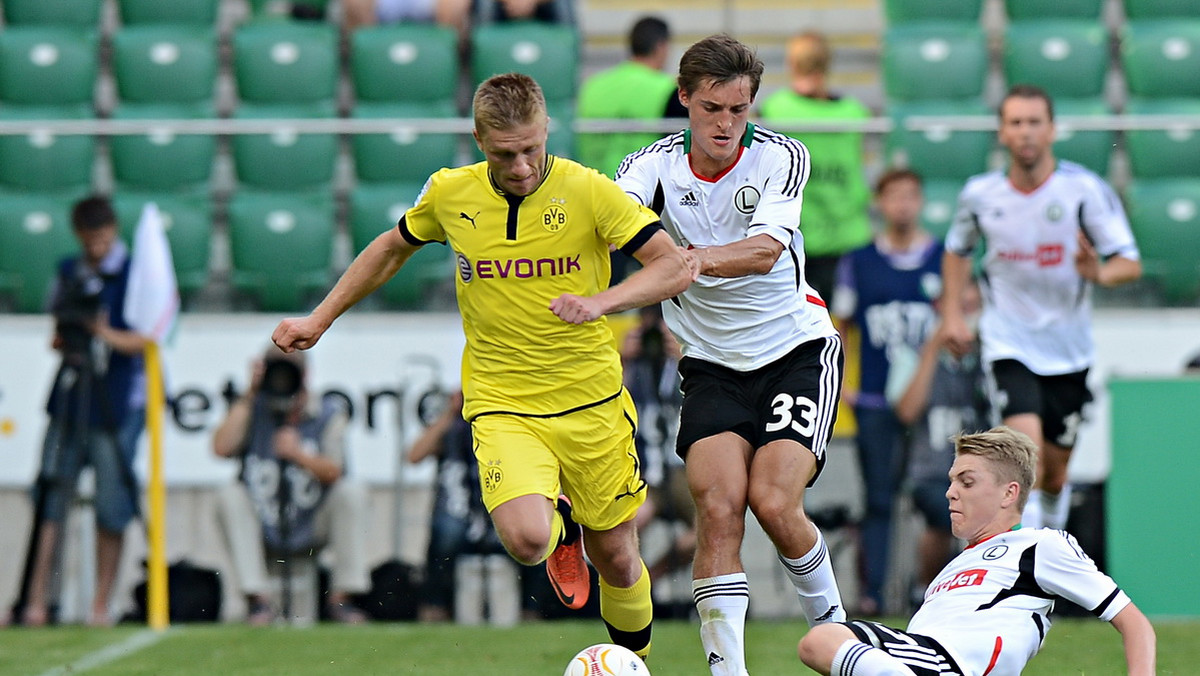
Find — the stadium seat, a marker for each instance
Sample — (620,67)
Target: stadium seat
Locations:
(78,13)
(1160,9)
(1162,57)
(286,62)
(1169,152)
(188,222)
(548,53)
(404,63)
(940,153)
(281,246)
(42,160)
(404,154)
(1165,216)
(35,232)
(161,159)
(909,11)
(1091,148)
(190,12)
(1022,10)
(941,201)
(374,209)
(160,64)
(284,159)
(934,61)
(562,135)
(47,66)
(1067,58)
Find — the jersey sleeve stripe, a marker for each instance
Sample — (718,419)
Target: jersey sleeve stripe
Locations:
(412,239)
(663,145)
(798,168)
(641,238)
(1099,610)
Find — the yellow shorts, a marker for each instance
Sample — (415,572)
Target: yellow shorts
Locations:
(587,455)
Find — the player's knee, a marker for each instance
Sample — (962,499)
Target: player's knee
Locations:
(817,647)
(773,506)
(528,546)
(720,513)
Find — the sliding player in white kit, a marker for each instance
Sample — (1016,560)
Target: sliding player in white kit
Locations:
(988,611)
(762,361)
(1052,229)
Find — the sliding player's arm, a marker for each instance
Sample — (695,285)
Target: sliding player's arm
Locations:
(1139,640)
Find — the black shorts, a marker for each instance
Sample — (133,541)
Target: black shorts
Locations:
(923,655)
(1058,400)
(793,398)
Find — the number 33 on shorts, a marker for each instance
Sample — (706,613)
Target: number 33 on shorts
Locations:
(798,412)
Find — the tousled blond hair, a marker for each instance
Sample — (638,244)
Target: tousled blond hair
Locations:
(508,100)
(1012,456)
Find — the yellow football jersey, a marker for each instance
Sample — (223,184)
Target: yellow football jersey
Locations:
(515,255)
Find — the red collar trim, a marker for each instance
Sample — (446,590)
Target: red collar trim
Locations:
(724,171)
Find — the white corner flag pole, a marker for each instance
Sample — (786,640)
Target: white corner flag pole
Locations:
(151,307)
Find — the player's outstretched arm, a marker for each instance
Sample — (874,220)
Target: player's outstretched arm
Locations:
(956,273)
(1137,635)
(371,268)
(666,271)
(751,256)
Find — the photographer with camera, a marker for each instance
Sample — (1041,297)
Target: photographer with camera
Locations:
(97,411)
(292,495)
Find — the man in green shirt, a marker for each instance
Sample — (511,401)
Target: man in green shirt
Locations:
(635,89)
(837,198)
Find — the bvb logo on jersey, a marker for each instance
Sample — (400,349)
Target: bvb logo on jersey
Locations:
(554,218)
(1054,212)
(492,477)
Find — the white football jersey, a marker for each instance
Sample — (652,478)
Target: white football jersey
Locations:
(1037,309)
(990,606)
(742,323)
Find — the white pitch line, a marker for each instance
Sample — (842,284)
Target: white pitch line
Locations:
(140,640)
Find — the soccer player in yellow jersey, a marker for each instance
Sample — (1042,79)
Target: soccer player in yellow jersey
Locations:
(541,372)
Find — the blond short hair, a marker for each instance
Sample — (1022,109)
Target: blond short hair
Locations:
(1011,454)
(508,100)
(808,53)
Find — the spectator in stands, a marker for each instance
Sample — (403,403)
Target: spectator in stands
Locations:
(452,13)
(1051,229)
(939,396)
(551,11)
(101,370)
(283,436)
(635,89)
(836,198)
(886,290)
(459,522)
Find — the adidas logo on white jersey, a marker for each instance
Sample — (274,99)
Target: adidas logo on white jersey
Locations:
(689,200)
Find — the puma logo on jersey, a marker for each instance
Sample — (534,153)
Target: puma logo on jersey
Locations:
(689,200)
(470,219)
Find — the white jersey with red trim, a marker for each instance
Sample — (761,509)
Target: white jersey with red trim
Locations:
(1037,309)
(742,323)
(990,606)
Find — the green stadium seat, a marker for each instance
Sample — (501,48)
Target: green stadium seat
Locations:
(284,159)
(188,223)
(1067,58)
(940,153)
(160,64)
(404,63)
(934,61)
(190,12)
(35,232)
(286,62)
(78,13)
(161,159)
(47,65)
(374,209)
(404,154)
(562,136)
(281,246)
(1165,217)
(1160,9)
(1174,151)
(941,201)
(1161,58)
(548,53)
(1091,148)
(909,11)
(1022,10)
(42,160)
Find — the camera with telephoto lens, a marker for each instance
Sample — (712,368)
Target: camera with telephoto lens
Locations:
(75,308)
(281,382)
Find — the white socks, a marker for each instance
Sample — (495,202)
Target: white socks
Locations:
(1047,510)
(855,658)
(812,575)
(721,602)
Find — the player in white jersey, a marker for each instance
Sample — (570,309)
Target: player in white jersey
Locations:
(988,611)
(1052,229)
(762,362)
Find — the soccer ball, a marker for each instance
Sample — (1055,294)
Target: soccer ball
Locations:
(606,659)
